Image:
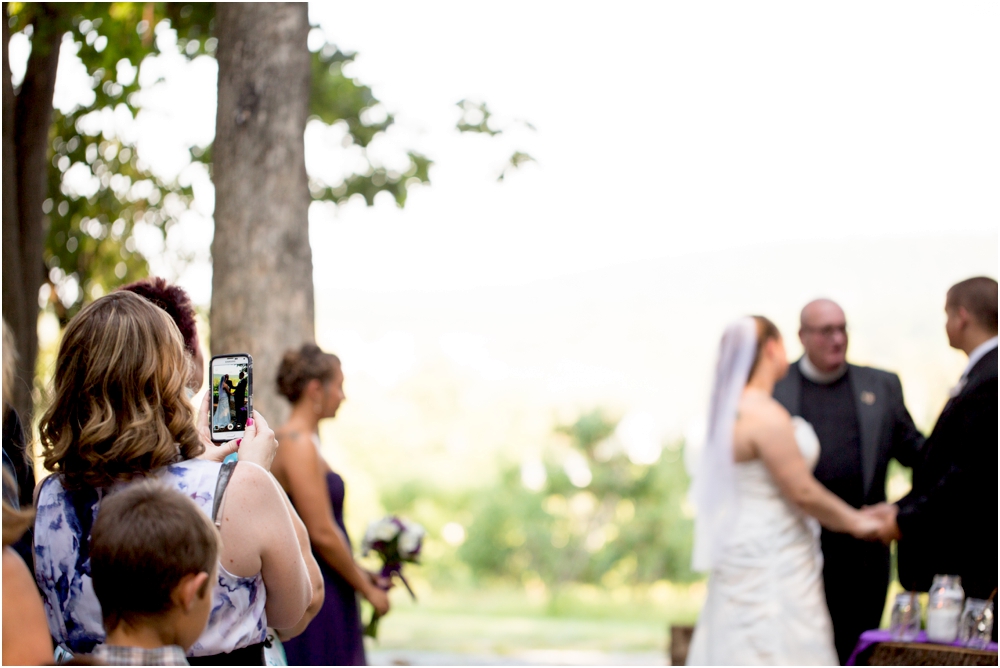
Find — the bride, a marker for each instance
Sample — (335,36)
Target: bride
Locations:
(222,418)
(758,504)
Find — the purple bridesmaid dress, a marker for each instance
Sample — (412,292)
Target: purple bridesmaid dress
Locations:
(333,638)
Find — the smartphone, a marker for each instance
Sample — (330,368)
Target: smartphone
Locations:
(230,379)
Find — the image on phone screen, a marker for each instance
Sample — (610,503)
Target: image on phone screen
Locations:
(231,393)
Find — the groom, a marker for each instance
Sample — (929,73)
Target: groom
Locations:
(240,395)
(948,523)
(861,420)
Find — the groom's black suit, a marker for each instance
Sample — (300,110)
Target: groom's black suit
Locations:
(949,520)
(240,394)
(862,423)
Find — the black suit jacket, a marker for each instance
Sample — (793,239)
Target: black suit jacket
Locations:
(885,426)
(240,393)
(949,519)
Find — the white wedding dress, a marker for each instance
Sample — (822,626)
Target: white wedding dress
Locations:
(222,418)
(765,603)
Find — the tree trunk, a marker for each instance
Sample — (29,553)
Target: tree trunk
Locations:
(31,120)
(12,276)
(262,284)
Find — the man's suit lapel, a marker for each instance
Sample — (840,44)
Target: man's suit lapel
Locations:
(984,370)
(870,408)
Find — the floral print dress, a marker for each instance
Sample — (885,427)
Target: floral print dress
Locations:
(62,567)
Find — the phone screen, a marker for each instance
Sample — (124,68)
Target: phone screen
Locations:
(231,378)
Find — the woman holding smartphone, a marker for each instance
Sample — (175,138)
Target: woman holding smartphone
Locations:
(120,413)
(313,382)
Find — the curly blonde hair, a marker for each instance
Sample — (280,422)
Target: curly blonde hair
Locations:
(119,406)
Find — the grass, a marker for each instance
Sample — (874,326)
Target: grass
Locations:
(506,621)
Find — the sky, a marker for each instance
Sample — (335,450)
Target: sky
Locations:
(665,130)
(694,162)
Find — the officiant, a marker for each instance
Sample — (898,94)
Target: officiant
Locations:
(862,422)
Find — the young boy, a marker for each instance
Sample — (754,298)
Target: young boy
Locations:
(153,557)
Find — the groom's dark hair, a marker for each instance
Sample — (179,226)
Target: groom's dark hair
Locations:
(978,296)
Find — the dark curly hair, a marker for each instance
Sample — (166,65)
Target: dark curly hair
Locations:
(298,367)
(119,405)
(175,301)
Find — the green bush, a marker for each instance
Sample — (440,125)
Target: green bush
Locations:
(625,526)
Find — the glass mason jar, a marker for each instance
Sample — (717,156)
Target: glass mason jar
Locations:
(944,608)
(976,626)
(905,623)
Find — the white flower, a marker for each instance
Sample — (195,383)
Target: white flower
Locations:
(408,544)
(410,540)
(384,530)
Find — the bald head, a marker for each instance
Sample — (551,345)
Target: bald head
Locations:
(820,310)
(823,332)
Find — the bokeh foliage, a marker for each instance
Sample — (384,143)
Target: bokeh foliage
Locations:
(476,118)
(627,526)
(91,245)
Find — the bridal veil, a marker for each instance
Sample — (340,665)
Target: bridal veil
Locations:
(714,490)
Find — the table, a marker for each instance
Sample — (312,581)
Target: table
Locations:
(877,648)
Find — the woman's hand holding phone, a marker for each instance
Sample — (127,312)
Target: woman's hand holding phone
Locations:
(258,444)
(214,451)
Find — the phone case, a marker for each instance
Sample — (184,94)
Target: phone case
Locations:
(211,364)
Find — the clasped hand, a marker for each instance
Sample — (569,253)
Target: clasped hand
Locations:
(878,522)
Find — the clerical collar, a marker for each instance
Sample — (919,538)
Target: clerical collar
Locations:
(810,371)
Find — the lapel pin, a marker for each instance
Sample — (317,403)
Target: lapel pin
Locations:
(868,398)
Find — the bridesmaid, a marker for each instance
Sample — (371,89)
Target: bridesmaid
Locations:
(313,382)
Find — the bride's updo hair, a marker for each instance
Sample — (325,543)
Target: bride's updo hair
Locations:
(766,331)
(119,405)
(298,367)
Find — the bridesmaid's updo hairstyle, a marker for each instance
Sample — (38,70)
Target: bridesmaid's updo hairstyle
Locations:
(119,407)
(308,363)
(766,331)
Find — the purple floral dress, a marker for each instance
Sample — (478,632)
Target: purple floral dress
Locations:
(62,567)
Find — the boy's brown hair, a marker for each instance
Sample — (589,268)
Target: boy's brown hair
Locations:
(145,539)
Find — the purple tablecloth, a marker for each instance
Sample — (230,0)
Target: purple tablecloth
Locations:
(869,638)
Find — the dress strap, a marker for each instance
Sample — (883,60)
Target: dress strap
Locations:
(225,474)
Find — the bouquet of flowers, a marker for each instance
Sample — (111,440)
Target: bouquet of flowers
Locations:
(396,541)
